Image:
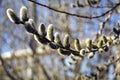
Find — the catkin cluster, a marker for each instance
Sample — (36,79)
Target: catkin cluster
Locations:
(48,37)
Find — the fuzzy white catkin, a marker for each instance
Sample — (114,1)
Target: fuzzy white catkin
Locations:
(32,23)
(23,13)
(57,39)
(12,16)
(66,42)
(41,30)
(77,44)
(90,55)
(50,35)
(82,52)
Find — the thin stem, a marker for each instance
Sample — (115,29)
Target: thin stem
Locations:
(81,16)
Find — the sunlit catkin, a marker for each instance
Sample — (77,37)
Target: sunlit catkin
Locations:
(66,42)
(12,16)
(23,14)
(77,44)
(89,44)
(100,43)
(32,23)
(42,30)
(50,35)
(104,38)
(57,39)
(90,55)
(29,28)
(82,52)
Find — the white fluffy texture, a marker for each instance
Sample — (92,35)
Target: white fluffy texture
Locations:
(77,44)
(82,52)
(31,21)
(9,11)
(23,13)
(57,37)
(50,32)
(90,55)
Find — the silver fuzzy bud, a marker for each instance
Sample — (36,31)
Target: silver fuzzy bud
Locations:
(66,42)
(100,50)
(82,52)
(77,44)
(57,39)
(89,43)
(32,23)
(50,35)
(42,30)
(23,14)
(101,67)
(100,43)
(104,38)
(91,55)
(29,28)
(12,16)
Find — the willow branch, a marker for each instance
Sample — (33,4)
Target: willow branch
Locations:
(76,15)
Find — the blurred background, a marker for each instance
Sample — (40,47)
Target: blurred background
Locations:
(16,45)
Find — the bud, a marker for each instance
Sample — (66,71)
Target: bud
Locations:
(100,43)
(94,46)
(73,5)
(100,50)
(29,28)
(104,39)
(91,55)
(23,14)
(50,35)
(93,2)
(57,39)
(64,52)
(89,44)
(79,4)
(32,23)
(109,43)
(106,48)
(42,30)
(76,53)
(77,44)
(101,67)
(53,45)
(40,40)
(116,41)
(82,52)
(66,41)
(12,16)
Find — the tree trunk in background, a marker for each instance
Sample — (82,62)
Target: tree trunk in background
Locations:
(33,16)
(32,43)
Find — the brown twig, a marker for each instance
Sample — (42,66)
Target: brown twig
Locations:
(104,22)
(81,16)
(113,62)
